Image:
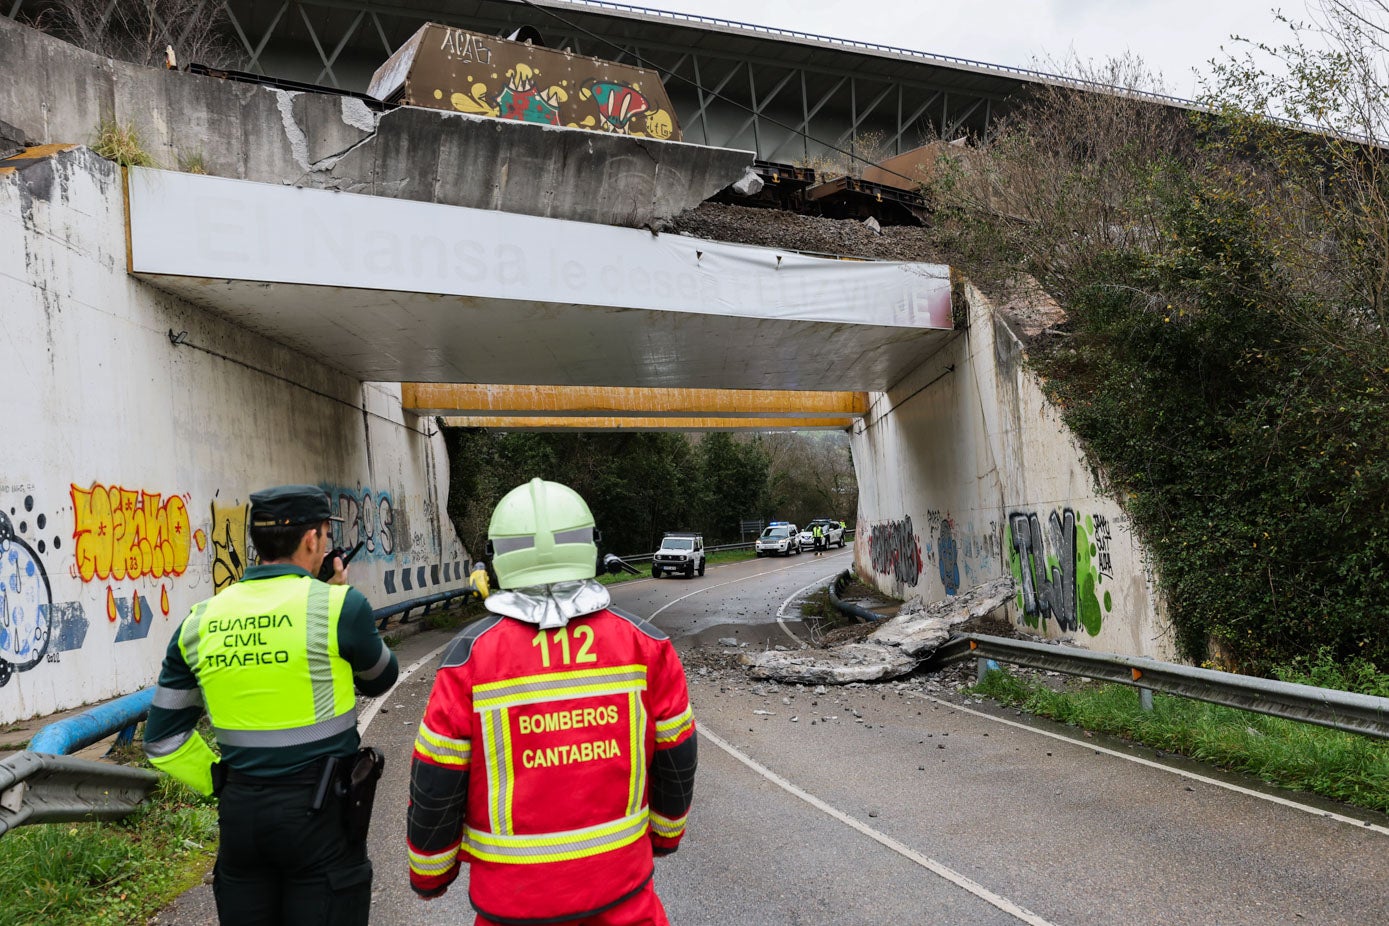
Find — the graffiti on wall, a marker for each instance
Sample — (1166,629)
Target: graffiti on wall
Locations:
(895,550)
(367,517)
(963,556)
(1059,569)
(130,533)
(32,626)
(230,546)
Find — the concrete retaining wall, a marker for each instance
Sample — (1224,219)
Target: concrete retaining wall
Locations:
(967,472)
(127,460)
(56,93)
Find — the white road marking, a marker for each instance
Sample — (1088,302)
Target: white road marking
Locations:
(930,864)
(781,611)
(1250,792)
(370,713)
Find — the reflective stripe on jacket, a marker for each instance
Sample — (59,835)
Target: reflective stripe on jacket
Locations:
(266,657)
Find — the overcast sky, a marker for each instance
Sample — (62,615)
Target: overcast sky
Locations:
(1172,37)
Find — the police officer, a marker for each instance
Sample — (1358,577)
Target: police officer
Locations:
(557,752)
(817,531)
(273,660)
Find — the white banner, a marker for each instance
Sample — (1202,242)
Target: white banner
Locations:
(212,227)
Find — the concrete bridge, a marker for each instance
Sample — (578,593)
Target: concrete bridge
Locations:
(340,275)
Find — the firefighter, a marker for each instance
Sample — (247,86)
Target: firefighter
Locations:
(274,659)
(557,752)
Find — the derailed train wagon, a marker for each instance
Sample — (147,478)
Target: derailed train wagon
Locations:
(446,68)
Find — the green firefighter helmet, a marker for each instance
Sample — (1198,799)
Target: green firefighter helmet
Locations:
(542,532)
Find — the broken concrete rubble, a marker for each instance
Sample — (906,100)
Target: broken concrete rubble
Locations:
(894,649)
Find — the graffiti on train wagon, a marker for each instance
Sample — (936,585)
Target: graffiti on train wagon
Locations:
(1060,568)
(895,550)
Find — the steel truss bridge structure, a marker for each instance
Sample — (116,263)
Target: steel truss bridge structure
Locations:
(793,97)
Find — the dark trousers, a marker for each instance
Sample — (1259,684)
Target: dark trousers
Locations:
(280,865)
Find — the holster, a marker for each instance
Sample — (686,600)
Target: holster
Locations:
(219,777)
(356,786)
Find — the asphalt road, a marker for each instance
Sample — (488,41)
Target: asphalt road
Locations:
(908,803)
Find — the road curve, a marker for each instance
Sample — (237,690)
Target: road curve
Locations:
(905,802)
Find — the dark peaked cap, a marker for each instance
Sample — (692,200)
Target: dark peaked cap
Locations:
(288,505)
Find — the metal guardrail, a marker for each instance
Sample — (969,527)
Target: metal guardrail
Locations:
(1340,710)
(38,788)
(382,615)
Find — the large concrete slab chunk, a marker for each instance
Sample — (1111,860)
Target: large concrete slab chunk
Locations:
(894,649)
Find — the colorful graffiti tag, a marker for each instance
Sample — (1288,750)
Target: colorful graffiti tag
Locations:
(1059,569)
(367,517)
(895,550)
(24,599)
(33,628)
(129,533)
(230,547)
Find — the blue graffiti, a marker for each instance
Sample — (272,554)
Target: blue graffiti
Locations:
(367,517)
(949,559)
(24,598)
(133,623)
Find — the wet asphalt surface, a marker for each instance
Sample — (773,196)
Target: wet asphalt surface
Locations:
(908,802)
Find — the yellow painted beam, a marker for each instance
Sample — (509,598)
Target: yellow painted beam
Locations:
(594,423)
(607,401)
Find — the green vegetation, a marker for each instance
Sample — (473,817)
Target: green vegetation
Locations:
(105,874)
(640,485)
(1297,756)
(121,143)
(1224,359)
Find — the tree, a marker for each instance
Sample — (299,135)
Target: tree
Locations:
(141,30)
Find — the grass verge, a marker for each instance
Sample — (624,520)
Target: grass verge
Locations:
(108,874)
(1288,754)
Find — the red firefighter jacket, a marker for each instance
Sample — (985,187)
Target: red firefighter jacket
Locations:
(555,762)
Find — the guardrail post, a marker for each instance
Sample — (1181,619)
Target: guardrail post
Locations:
(983,666)
(1145,695)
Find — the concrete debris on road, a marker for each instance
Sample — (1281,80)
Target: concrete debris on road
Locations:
(892,650)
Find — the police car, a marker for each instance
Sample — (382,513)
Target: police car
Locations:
(780,537)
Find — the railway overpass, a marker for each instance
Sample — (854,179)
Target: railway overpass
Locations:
(342,275)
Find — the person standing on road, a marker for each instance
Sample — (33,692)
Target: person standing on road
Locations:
(817,531)
(557,752)
(274,660)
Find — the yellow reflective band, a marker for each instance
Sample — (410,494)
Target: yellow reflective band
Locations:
(496,750)
(564,846)
(443,749)
(559,686)
(665,826)
(668,731)
(636,780)
(439,863)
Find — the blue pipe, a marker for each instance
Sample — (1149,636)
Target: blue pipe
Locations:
(67,736)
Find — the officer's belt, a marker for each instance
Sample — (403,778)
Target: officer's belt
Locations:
(308,775)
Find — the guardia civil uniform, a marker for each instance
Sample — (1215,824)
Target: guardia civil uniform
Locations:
(557,753)
(274,661)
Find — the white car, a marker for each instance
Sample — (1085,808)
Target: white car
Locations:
(833,531)
(681,552)
(780,538)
